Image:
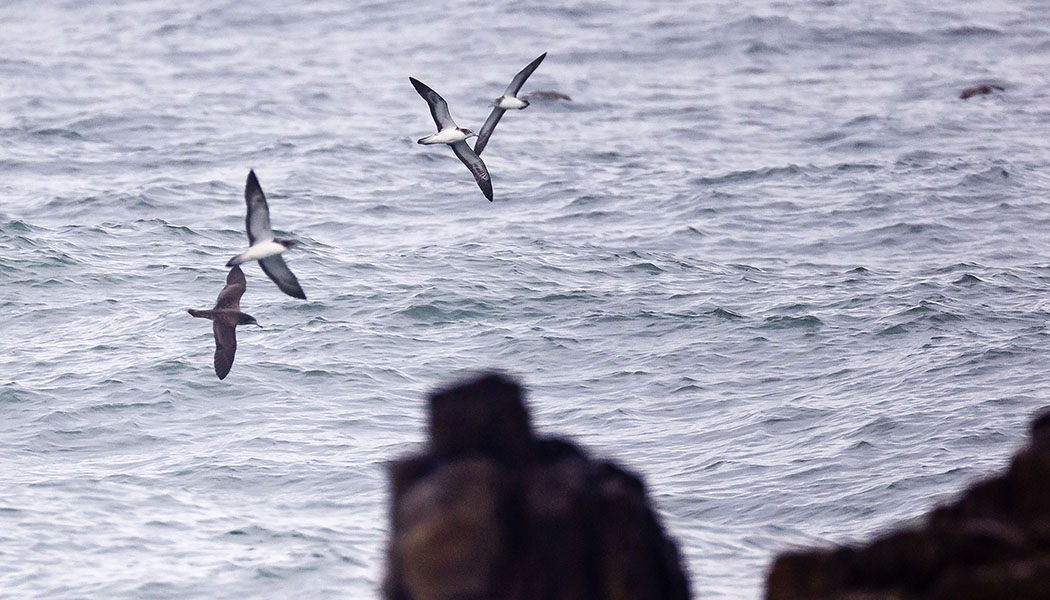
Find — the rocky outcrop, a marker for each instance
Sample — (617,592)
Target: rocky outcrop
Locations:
(991,544)
(489,510)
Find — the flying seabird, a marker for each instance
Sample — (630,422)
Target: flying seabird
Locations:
(263,247)
(453,135)
(508,100)
(546,95)
(979,89)
(225,318)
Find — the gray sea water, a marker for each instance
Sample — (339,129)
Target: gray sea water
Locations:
(766,257)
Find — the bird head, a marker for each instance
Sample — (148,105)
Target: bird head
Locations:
(467,132)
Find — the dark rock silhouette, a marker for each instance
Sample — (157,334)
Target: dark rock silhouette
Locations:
(490,511)
(991,544)
(979,89)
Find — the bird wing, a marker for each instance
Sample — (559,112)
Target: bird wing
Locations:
(276,269)
(486,130)
(258,220)
(225,345)
(519,79)
(476,166)
(230,296)
(438,106)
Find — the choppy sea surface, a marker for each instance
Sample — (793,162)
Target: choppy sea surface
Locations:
(766,257)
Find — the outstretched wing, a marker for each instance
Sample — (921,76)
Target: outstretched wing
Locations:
(487,128)
(519,79)
(258,220)
(230,296)
(225,345)
(438,106)
(276,269)
(476,166)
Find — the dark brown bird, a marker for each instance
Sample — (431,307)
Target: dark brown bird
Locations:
(225,318)
(979,89)
(546,95)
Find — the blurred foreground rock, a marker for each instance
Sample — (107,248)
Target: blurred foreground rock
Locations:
(992,544)
(491,511)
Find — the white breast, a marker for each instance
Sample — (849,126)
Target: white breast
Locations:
(509,102)
(449,135)
(262,250)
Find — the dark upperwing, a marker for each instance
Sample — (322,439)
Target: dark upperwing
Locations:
(519,79)
(224,328)
(487,129)
(257,220)
(277,270)
(230,296)
(476,166)
(438,106)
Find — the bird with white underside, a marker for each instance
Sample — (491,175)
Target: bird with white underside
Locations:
(508,101)
(263,246)
(453,135)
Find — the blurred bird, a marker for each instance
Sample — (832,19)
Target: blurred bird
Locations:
(547,95)
(979,89)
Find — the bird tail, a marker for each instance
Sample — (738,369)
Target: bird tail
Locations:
(236,260)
